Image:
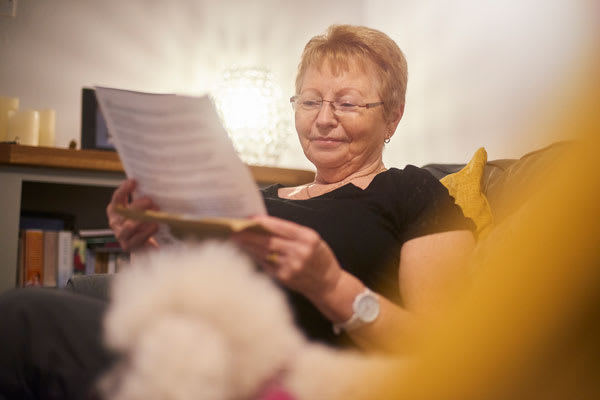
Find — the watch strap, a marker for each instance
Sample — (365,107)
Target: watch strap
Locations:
(355,321)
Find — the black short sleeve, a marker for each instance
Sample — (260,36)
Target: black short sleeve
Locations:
(428,207)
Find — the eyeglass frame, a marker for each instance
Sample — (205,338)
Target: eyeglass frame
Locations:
(365,106)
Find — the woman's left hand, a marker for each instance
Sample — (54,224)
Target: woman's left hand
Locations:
(293,254)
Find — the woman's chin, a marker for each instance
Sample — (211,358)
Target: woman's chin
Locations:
(327,159)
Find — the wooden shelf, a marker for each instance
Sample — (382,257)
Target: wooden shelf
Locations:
(79,182)
(51,157)
(99,160)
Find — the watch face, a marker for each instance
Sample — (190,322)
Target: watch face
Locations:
(367,308)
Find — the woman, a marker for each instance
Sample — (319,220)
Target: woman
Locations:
(362,247)
(358,226)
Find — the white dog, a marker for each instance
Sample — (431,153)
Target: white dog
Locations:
(199,322)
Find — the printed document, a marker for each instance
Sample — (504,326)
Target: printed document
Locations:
(177,150)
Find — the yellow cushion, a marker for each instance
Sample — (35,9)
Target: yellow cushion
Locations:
(465,187)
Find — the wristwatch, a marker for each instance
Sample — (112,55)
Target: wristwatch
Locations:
(365,310)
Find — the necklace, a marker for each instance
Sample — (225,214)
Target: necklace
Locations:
(341,183)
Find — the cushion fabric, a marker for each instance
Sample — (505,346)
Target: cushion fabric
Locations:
(465,187)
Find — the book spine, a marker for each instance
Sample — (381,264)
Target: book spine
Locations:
(64,258)
(45,224)
(112,263)
(101,263)
(90,262)
(50,251)
(85,233)
(34,257)
(79,255)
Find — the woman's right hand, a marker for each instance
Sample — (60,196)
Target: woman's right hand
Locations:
(132,235)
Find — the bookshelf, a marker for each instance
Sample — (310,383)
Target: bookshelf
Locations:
(78,182)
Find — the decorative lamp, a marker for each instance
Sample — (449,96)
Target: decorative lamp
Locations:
(253,111)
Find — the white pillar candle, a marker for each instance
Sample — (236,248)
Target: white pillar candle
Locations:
(24,127)
(6,104)
(47,127)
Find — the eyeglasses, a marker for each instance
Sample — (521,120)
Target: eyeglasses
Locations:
(308,104)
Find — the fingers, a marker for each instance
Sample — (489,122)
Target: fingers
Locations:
(261,245)
(143,203)
(283,258)
(119,197)
(141,236)
(152,243)
(286,237)
(293,254)
(116,220)
(123,191)
(252,238)
(130,234)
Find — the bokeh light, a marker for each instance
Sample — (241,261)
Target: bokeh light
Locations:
(252,108)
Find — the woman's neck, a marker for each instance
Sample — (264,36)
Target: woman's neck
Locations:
(335,175)
(324,183)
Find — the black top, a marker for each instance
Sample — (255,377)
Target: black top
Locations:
(366,229)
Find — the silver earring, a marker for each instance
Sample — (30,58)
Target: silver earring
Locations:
(386,140)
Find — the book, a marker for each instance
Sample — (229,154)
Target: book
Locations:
(86,233)
(177,150)
(64,258)
(101,248)
(50,251)
(112,263)
(100,241)
(43,220)
(90,262)
(101,263)
(34,257)
(29,222)
(79,256)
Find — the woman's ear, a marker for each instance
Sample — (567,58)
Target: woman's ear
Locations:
(395,119)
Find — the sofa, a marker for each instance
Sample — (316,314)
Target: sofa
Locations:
(495,183)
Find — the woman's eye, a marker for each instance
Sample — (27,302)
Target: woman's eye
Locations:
(311,103)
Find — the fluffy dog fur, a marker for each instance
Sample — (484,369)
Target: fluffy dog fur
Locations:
(199,322)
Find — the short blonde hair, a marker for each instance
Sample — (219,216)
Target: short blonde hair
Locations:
(343,44)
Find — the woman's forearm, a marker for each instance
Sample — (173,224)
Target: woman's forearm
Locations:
(389,330)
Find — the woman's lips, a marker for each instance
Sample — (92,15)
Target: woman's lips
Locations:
(327,141)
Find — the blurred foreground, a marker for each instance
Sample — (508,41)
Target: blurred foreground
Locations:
(529,327)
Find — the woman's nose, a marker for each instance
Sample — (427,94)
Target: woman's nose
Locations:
(326,115)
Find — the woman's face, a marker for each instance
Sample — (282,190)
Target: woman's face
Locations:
(351,140)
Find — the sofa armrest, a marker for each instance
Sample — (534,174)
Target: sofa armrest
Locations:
(96,285)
